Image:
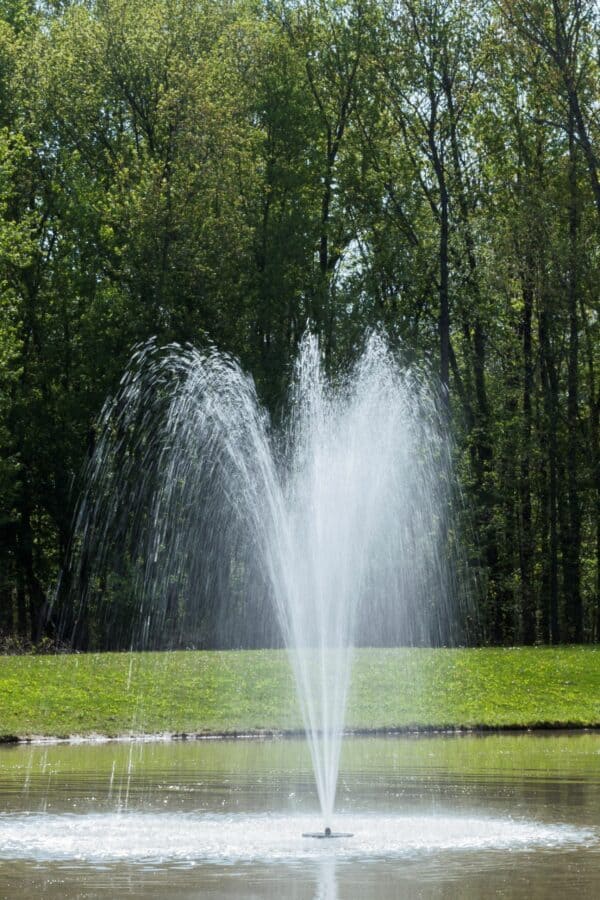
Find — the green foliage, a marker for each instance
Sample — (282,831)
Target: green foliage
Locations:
(196,169)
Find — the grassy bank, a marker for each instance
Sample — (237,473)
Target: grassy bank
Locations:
(241,691)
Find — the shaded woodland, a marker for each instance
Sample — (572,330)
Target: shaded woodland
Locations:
(195,170)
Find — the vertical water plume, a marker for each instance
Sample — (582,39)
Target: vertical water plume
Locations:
(196,516)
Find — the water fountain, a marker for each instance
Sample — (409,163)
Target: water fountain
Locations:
(339,517)
(201,511)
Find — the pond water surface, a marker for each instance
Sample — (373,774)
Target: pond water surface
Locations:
(464,816)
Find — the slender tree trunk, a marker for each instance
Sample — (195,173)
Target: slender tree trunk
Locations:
(526,548)
(597,478)
(577,127)
(595,413)
(21,604)
(6,612)
(31,591)
(544,530)
(444,314)
(594,444)
(574,608)
(549,387)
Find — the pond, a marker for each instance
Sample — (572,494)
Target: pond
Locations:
(511,815)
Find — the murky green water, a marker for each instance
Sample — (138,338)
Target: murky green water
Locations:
(462,816)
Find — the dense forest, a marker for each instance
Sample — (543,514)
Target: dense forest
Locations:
(200,169)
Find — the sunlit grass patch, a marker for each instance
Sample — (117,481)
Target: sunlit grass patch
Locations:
(252,691)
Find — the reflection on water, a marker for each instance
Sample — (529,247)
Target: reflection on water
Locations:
(327,883)
(433,817)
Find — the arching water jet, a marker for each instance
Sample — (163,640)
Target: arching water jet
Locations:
(339,520)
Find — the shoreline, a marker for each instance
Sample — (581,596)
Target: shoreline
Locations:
(415,731)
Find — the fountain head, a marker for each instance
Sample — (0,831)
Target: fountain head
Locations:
(328,833)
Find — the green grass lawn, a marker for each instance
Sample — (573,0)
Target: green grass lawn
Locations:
(241,691)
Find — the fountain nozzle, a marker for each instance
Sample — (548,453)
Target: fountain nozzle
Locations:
(328,833)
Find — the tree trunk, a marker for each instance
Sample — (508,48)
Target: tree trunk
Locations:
(444,314)
(574,608)
(35,592)
(544,529)
(526,548)
(577,123)
(550,388)
(594,444)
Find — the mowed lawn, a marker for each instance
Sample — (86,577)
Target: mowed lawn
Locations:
(252,691)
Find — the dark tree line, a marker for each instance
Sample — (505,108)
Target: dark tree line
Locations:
(194,169)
